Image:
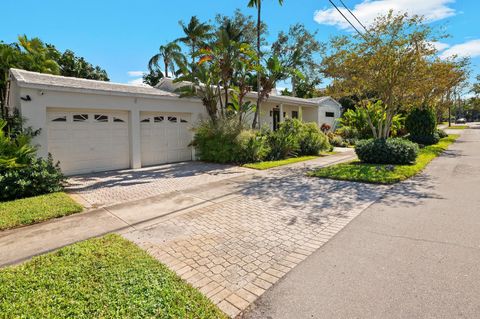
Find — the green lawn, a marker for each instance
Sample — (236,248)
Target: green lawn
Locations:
(383,174)
(457,127)
(270,164)
(36,209)
(107,277)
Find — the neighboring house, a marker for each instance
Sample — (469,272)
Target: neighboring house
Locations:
(92,126)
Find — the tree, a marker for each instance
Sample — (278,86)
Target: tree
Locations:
(258,5)
(305,88)
(34,55)
(170,54)
(390,62)
(298,49)
(196,34)
(246,24)
(152,77)
(74,66)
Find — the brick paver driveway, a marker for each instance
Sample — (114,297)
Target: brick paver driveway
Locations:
(236,248)
(114,187)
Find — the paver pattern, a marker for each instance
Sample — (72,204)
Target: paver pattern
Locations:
(114,187)
(234,250)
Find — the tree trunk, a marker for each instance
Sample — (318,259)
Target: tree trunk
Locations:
(256,118)
(166,69)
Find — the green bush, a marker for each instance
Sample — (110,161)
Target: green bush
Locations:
(336,140)
(442,133)
(251,147)
(421,124)
(39,177)
(216,142)
(226,141)
(284,142)
(387,151)
(312,140)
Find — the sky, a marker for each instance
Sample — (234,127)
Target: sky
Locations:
(121,36)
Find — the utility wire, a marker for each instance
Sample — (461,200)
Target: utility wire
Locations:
(345,6)
(340,11)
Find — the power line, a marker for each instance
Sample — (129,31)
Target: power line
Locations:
(340,11)
(345,6)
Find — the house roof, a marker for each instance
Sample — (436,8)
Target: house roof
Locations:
(61,83)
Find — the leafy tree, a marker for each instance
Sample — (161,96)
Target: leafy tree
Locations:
(152,77)
(246,24)
(170,54)
(258,5)
(196,35)
(74,66)
(298,49)
(391,60)
(305,88)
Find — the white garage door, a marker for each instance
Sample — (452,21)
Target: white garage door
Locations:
(165,138)
(88,141)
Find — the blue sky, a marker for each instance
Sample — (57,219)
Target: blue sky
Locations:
(122,35)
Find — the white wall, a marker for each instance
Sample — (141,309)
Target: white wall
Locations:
(328,106)
(35,111)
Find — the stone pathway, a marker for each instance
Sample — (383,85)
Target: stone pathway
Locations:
(115,187)
(235,249)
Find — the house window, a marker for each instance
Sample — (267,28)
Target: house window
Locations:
(172,119)
(60,119)
(330,114)
(294,114)
(183,120)
(100,118)
(118,120)
(146,120)
(80,117)
(158,119)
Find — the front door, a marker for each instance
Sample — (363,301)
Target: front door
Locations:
(276,119)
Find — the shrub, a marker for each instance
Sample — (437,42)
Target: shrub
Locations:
(312,141)
(39,177)
(336,140)
(422,126)
(251,147)
(284,142)
(325,128)
(216,142)
(442,133)
(387,151)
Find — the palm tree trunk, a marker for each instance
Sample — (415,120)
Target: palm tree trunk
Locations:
(256,118)
(166,68)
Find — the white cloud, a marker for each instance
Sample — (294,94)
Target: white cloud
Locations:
(467,49)
(135,73)
(138,82)
(440,46)
(367,10)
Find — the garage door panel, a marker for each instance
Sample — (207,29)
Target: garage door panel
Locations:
(88,145)
(165,138)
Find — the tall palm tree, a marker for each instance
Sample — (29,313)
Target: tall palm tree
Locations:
(170,54)
(258,5)
(196,33)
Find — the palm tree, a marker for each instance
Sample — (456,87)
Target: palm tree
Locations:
(196,33)
(258,5)
(170,54)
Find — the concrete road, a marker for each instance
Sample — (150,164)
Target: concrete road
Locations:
(413,254)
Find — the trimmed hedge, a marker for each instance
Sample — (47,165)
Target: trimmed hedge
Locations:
(422,126)
(387,151)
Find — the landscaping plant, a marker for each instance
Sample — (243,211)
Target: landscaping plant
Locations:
(387,151)
(421,123)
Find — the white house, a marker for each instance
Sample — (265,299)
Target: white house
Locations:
(92,126)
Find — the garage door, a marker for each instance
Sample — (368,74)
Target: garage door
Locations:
(88,141)
(165,138)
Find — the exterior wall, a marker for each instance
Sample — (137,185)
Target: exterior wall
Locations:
(35,111)
(329,106)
